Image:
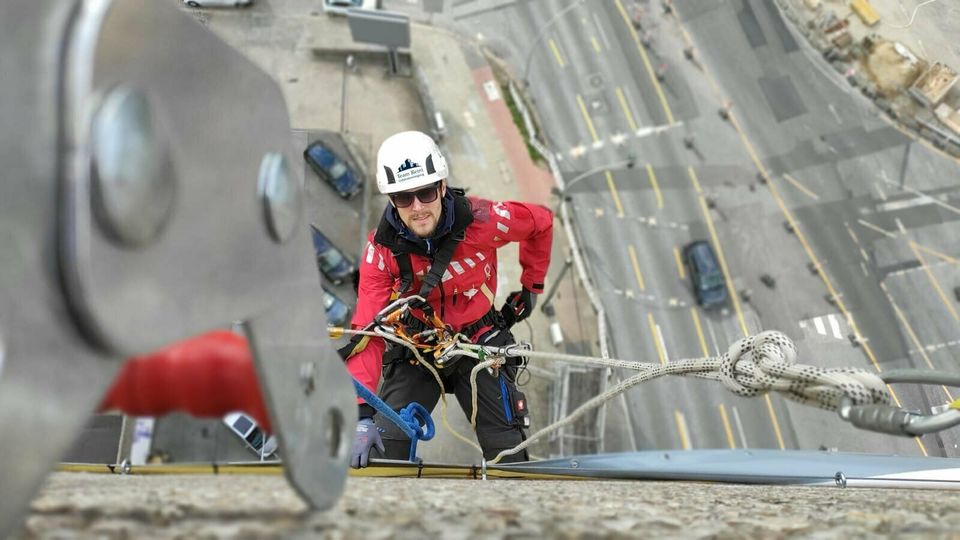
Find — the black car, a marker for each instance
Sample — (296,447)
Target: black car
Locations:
(705,274)
(336,266)
(333,170)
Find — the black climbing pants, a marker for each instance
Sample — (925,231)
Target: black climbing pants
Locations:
(498,426)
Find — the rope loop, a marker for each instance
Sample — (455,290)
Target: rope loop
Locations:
(418,418)
(756,364)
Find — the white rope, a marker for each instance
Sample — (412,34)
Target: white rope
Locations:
(751,367)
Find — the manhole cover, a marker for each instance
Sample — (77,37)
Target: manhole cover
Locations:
(596,80)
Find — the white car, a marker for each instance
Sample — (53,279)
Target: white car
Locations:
(252,435)
(217,3)
(340,7)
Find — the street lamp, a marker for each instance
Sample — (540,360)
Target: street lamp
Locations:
(543,30)
(625,164)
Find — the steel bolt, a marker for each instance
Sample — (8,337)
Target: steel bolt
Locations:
(132,178)
(281,196)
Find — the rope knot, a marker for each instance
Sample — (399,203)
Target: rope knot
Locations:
(767,361)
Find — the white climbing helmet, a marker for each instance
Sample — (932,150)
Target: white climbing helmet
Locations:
(408,160)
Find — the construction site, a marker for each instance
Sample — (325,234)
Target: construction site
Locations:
(746,323)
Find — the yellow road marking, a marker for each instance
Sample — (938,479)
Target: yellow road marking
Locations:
(736,305)
(636,267)
(809,251)
(801,187)
(613,192)
(693,178)
(656,187)
(776,423)
(726,426)
(596,46)
(556,53)
(682,428)
(656,339)
(915,339)
(676,257)
(646,62)
(934,282)
(723,266)
(626,109)
(696,323)
(586,117)
(936,253)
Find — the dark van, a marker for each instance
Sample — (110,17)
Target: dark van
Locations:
(705,274)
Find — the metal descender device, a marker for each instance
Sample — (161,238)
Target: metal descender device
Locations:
(149,195)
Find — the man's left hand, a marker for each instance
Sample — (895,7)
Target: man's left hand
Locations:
(519,306)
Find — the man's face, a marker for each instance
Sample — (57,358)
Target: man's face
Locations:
(420,217)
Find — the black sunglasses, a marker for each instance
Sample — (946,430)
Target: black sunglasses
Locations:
(426,195)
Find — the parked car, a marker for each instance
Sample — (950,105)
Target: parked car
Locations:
(337,311)
(255,439)
(217,3)
(705,274)
(340,7)
(336,266)
(332,169)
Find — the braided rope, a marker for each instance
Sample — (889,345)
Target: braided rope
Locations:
(753,366)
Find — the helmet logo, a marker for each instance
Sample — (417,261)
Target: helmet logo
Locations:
(409,170)
(407,164)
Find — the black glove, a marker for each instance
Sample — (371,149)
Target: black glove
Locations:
(519,306)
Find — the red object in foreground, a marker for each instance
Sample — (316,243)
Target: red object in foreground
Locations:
(206,376)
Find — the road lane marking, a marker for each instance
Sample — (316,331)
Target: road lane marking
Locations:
(636,267)
(834,326)
(810,255)
(556,53)
(646,63)
(739,424)
(596,45)
(663,345)
(682,428)
(936,253)
(676,257)
(696,324)
(913,336)
(801,187)
(903,230)
(933,281)
(693,178)
(586,117)
(776,423)
(603,35)
(626,109)
(656,342)
(732,292)
(821,329)
(926,198)
(656,186)
(726,426)
(875,228)
(613,192)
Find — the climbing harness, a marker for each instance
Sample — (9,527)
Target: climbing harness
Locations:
(751,367)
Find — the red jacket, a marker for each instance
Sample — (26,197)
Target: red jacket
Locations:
(469,284)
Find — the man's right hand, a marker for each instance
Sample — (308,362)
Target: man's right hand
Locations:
(366,437)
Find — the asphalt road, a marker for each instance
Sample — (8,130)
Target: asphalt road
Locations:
(835,170)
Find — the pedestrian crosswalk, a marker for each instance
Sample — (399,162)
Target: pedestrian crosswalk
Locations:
(831,326)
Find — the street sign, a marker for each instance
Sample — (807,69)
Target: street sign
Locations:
(386,28)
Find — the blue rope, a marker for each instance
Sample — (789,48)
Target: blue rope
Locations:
(412,419)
